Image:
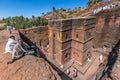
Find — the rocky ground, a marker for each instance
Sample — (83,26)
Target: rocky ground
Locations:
(27,68)
(109,70)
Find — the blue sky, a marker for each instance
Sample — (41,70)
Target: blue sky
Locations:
(27,8)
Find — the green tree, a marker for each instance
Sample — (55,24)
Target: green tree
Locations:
(19,21)
(33,17)
(92,2)
(54,13)
(33,21)
(63,16)
(53,9)
(69,9)
(43,14)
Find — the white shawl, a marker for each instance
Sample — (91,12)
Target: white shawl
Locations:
(9,45)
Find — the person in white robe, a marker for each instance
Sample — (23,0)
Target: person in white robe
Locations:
(10,44)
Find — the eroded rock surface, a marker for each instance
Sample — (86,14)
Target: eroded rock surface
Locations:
(27,68)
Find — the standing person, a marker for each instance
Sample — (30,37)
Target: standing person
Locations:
(23,26)
(68,71)
(101,58)
(10,44)
(21,49)
(14,28)
(75,73)
(9,29)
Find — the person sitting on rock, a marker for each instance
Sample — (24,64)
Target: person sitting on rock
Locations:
(10,44)
(21,49)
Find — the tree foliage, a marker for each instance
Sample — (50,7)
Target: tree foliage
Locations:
(21,22)
(92,2)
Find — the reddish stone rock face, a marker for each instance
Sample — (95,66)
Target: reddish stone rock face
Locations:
(100,23)
(117,22)
(66,35)
(38,35)
(63,56)
(77,55)
(107,28)
(78,35)
(112,21)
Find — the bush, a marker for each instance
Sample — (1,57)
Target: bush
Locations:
(3,28)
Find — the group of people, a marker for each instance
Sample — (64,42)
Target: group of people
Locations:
(74,71)
(19,48)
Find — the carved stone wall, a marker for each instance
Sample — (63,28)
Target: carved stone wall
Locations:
(100,23)
(78,35)
(66,45)
(66,35)
(107,28)
(63,56)
(38,35)
(60,41)
(72,38)
(82,36)
(77,55)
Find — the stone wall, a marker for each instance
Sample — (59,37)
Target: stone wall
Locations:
(60,40)
(61,25)
(82,35)
(78,35)
(107,28)
(66,35)
(38,35)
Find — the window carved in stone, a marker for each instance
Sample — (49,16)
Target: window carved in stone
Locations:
(53,35)
(67,56)
(77,35)
(66,36)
